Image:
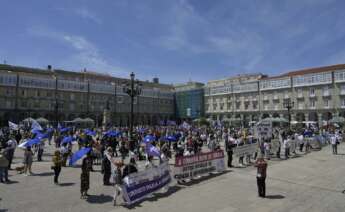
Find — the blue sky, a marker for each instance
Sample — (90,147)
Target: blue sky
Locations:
(176,40)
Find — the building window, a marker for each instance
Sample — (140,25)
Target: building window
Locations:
(312,103)
(238,105)
(38,93)
(72,106)
(326,103)
(72,97)
(312,91)
(342,89)
(214,106)
(246,106)
(120,99)
(343,103)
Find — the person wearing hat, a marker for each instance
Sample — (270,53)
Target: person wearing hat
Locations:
(106,166)
(261,175)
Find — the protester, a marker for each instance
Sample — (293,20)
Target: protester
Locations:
(106,166)
(129,168)
(334,143)
(57,163)
(28,158)
(117,181)
(11,147)
(261,176)
(85,175)
(228,148)
(3,167)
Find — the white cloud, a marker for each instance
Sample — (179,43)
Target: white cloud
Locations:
(86,54)
(88,14)
(82,12)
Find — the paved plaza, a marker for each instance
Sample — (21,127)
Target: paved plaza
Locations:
(312,182)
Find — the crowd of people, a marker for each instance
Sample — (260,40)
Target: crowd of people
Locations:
(118,153)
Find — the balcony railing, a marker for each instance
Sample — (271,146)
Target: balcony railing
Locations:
(342,92)
(326,93)
(312,95)
(300,95)
(275,97)
(286,96)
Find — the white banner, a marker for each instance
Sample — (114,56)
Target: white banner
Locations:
(187,167)
(263,129)
(138,185)
(246,149)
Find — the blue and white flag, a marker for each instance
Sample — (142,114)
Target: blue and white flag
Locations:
(152,150)
(29,143)
(13,126)
(149,138)
(78,154)
(36,126)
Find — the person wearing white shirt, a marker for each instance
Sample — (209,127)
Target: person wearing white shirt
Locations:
(287,147)
(334,142)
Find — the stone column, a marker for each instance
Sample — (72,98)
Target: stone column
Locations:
(306,116)
(319,118)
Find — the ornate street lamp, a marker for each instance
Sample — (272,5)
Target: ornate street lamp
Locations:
(133,89)
(289,105)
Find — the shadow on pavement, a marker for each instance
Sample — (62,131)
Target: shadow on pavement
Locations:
(99,199)
(66,184)
(3,210)
(44,174)
(203,178)
(155,196)
(12,182)
(277,196)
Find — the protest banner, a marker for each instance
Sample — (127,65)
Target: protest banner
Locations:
(263,129)
(247,149)
(187,167)
(138,185)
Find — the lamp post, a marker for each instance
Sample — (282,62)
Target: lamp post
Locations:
(133,89)
(56,101)
(289,105)
(115,100)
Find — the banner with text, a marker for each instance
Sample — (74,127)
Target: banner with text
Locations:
(187,167)
(263,129)
(138,185)
(247,149)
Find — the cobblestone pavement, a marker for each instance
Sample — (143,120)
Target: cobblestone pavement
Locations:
(312,182)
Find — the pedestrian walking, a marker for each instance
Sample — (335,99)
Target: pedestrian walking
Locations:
(57,163)
(261,176)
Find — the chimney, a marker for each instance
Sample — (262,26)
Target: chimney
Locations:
(155,80)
